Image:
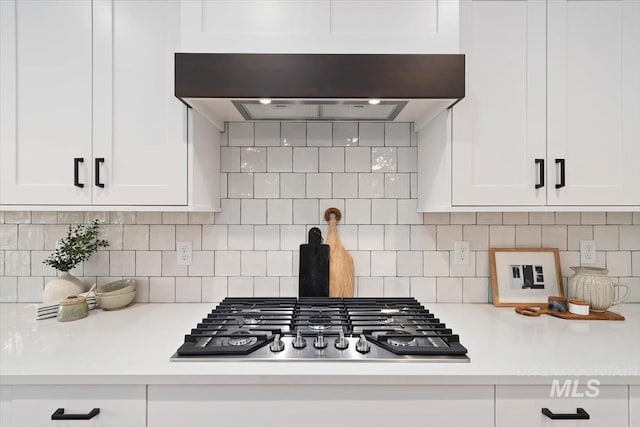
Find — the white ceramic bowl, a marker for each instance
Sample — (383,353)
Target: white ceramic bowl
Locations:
(115,302)
(118,287)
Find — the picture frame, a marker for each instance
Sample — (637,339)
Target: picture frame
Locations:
(525,276)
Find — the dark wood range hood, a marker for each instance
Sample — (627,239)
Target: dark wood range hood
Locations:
(227,87)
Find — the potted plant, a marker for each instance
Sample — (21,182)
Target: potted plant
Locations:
(81,242)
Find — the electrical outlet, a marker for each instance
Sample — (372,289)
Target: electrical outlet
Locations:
(461,252)
(587,252)
(183,251)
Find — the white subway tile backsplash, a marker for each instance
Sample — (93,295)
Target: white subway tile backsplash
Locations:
(135,237)
(162,237)
(345,185)
(619,218)
(253,263)
(635,263)
(410,263)
(288,286)
(319,134)
(383,263)
(293,185)
(279,159)
(361,263)
(528,236)
(436,263)
(569,218)
(447,236)
(30,237)
(305,159)
(397,185)
(371,134)
(266,287)
(253,159)
(240,286)
(397,134)
(449,290)
(170,265)
(17,217)
(370,287)
(142,289)
(331,159)
(593,218)
(293,133)
(229,159)
(148,263)
(266,237)
(280,263)
(629,238)
(149,218)
(436,218)
(482,264)
(162,289)
(407,212)
(554,236)
(175,217)
(8,289)
(44,217)
(384,211)
(305,211)
(606,236)
(78,218)
(407,159)
(357,159)
(267,134)
(241,134)
(291,237)
(541,218)
(370,185)
(423,237)
(397,287)
(575,233)
(230,212)
(122,263)
(477,236)
(279,211)
(214,289)
(266,185)
(253,211)
(396,237)
(462,270)
(30,289)
(240,185)
(490,218)
(502,236)
(190,233)
(371,237)
(214,237)
(383,159)
(462,218)
(319,185)
(475,290)
(619,263)
(8,236)
(227,263)
(423,289)
(240,237)
(345,134)
(97,265)
(203,264)
(38,268)
(17,263)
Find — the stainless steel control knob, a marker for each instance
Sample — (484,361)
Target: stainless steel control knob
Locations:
(277,344)
(363,346)
(299,341)
(341,342)
(320,342)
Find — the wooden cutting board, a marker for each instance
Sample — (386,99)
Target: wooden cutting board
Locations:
(341,270)
(593,315)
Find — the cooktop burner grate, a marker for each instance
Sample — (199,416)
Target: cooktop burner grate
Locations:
(322,329)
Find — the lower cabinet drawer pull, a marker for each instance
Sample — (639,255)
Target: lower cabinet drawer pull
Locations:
(580,414)
(60,415)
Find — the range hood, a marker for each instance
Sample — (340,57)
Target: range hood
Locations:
(355,87)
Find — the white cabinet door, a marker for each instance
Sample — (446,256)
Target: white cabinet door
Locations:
(634,406)
(319,405)
(122,406)
(593,109)
(45,101)
(499,127)
(139,125)
(327,26)
(607,406)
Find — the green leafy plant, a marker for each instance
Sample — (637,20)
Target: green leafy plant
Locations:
(81,242)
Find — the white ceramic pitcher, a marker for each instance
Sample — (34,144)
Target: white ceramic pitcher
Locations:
(593,285)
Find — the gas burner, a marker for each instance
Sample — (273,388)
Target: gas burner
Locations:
(319,322)
(387,320)
(251,320)
(407,341)
(241,338)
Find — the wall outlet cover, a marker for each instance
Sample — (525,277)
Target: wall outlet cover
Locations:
(184,253)
(461,252)
(587,252)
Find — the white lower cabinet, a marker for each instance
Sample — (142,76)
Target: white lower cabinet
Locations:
(522,406)
(319,405)
(120,405)
(634,406)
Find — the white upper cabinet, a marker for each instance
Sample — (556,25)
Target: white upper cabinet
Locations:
(320,26)
(593,102)
(45,102)
(499,127)
(139,126)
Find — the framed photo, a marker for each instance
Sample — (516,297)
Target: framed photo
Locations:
(525,276)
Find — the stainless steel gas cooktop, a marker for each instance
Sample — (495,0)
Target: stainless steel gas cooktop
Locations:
(310,329)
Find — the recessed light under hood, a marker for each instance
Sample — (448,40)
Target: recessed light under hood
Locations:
(234,87)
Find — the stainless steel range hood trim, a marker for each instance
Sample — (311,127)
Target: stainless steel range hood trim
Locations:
(240,106)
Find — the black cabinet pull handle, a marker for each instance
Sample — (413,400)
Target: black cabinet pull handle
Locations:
(99,160)
(76,172)
(540,162)
(561,184)
(580,414)
(60,415)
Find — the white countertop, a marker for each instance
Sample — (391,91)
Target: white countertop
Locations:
(133,346)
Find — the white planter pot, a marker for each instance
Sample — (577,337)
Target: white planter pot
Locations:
(62,287)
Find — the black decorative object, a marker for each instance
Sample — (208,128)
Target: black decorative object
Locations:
(314,267)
